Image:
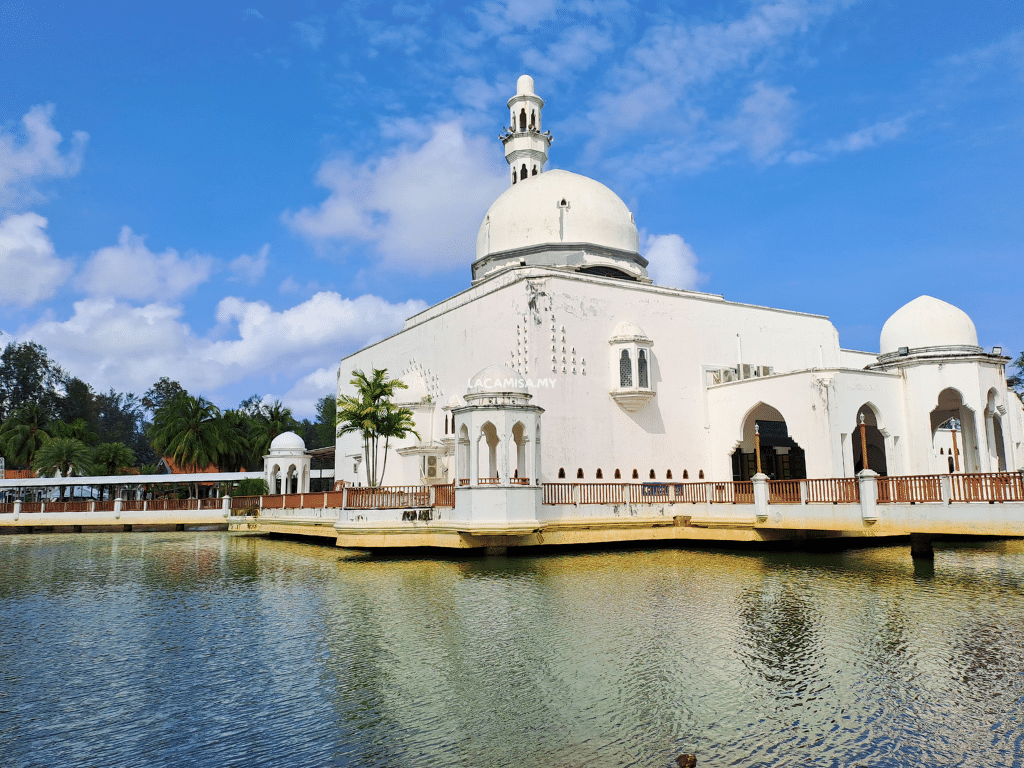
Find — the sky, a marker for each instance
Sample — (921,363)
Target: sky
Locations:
(237,196)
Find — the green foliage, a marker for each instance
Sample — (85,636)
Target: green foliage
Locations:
(1016,382)
(252,486)
(29,377)
(191,431)
(77,429)
(112,458)
(371,413)
(64,455)
(23,434)
(161,394)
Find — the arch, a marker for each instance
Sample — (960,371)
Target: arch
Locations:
(522,119)
(641,369)
(520,441)
(513,175)
(579,473)
(875,438)
(668,474)
(599,476)
(561,473)
(522,172)
(636,475)
(275,479)
(701,475)
(464,471)
(953,423)
(618,475)
(652,475)
(782,458)
(625,370)
(488,439)
(534,171)
(686,475)
(994,431)
(533,119)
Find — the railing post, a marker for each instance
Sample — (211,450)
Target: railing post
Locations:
(868,480)
(225,505)
(344,496)
(946,488)
(17,508)
(760,481)
(118,504)
(671,493)
(803,491)
(431,495)
(576,494)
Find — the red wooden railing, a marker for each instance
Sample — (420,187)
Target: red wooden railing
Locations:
(990,486)
(600,493)
(444,495)
(557,493)
(648,493)
(490,480)
(783,491)
(833,490)
(912,489)
(389,497)
(732,493)
(691,493)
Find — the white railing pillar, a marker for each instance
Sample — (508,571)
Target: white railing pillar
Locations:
(868,480)
(946,488)
(803,491)
(17,508)
(760,481)
(225,505)
(671,492)
(118,505)
(576,494)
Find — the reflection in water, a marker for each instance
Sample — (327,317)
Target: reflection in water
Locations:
(171,649)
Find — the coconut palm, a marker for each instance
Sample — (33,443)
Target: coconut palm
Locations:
(24,433)
(64,455)
(371,413)
(269,422)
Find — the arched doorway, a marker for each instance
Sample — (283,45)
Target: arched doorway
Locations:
(782,458)
(875,441)
(519,440)
(488,441)
(953,418)
(463,455)
(994,430)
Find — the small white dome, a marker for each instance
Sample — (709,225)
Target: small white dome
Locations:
(524,84)
(417,388)
(454,402)
(497,378)
(557,207)
(927,322)
(628,331)
(287,442)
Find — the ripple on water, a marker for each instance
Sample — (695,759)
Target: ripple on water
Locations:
(172,649)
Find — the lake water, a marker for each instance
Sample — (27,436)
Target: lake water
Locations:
(161,649)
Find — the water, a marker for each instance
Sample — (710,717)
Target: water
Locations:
(207,649)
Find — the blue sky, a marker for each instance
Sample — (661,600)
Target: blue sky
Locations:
(236,195)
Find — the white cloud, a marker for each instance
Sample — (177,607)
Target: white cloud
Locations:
(672,262)
(130,270)
(113,344)
(37,155)
(576,49)
(420,206)
(865,138)
(765,121)
(252,13)
(302,397)
(311,32)
(250,269)
(29,266)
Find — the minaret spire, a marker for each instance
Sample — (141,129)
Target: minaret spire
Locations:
(526,148)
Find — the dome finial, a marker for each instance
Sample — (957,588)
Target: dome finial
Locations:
(526,148)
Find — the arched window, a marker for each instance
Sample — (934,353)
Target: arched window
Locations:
(561,473)
(599,475)
(641,368)
(686,475)
(520,441)
(489,433)
(579,473)
(701,475)
(618,475)
(636,475)
(652,474)
(668,475)
(533,119)
(522,120)
(534,170)
(522,172)
(625,370)
(513,175)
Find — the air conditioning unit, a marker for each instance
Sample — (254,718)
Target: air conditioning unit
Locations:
(747,371)
(727,374)
(763,370)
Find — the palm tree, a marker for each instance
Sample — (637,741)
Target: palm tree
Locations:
(191,431)
(24,433)
(371,413)
(112,459)
(270,421)
(77,429)
(65,455)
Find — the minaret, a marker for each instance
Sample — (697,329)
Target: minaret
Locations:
(526,148)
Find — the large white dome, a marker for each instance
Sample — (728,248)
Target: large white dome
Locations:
(927,322)
(287,442)
(555,208)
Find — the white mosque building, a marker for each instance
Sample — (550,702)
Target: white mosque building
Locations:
(562,361)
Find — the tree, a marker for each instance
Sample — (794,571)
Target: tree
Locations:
(24,433)
(64,455)
(161,394)
(1016,382)
(271,421)
(371,413)
(112,458)
(192,432)
(29,377)
(77,429)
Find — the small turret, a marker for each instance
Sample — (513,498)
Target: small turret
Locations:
(526,148)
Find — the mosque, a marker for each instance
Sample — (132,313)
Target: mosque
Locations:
(563,362)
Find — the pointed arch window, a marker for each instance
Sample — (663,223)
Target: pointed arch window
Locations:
(522,172)
(599,475)
(636,475)
(561,473)
(579,473)
(513,175)
(641,368)
(522,119)
(625,370)
(701,475)
(668,475)
(618,475)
